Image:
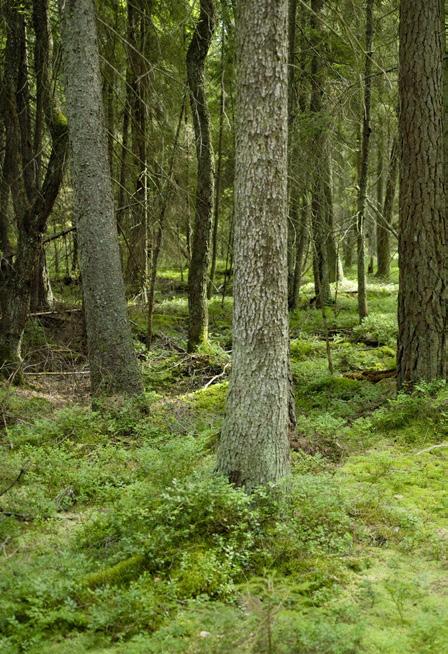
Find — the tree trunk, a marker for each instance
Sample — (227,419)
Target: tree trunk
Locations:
(139,18)
(382,230)
(113,363)
(254,444)
(42,298)
(293,199)
(423,234)
(15,294)
(335,270)
(33,199)
(379,182)
(318,201)
(197,279)
(218,171)
(364,165)
(301,247)
(298,106)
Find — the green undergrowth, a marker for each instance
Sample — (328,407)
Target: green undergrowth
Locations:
(117,536)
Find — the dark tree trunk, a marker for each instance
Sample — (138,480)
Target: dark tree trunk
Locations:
(197,279)
(335,271)
(318,201)
(423,234)
(383,224)
(301,247)
(292,160)
(298,105)
(254,444)
(364,165)
(218,183)
(113,364)
(42,298)
(32,200)
(139,19)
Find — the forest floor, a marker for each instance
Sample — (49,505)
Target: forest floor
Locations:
(117,538)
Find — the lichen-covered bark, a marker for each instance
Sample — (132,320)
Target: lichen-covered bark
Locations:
(200,256)
(112,359)
(254,444)
(423,241)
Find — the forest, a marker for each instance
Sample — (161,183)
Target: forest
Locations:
(223,327)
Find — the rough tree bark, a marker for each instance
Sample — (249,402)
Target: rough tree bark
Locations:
(197,279)
(254,444)
(423,234)
(113,363)
(364,164)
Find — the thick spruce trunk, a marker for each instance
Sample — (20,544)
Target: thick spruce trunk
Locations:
(423,235)
(113,363)
(254,444)
(200,255)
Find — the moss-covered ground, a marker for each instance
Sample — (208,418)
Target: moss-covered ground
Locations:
(116,536)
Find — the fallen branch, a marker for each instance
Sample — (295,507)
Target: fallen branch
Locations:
(55,312)
(433,447)
(13,483)
(18,516)
(58,374)
(213,379)
(53,237)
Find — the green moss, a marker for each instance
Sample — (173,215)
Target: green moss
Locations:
(117,574)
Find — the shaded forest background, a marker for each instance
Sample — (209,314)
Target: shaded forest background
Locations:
(133,288)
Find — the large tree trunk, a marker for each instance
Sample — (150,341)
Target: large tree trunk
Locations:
(113,363)
(254,444)
(364,165)
(197,279)
(423,236)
